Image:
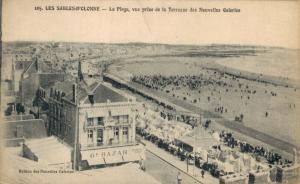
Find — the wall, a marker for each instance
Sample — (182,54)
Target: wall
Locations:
(33,128)
(31,84)
(62,124)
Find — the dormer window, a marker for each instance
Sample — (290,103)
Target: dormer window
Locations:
(90,122)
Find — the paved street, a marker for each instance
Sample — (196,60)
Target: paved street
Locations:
(193,173)
(163,171)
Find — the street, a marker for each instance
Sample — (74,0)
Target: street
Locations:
(163,171)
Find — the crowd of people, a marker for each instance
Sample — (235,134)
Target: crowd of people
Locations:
(252,103)
(193,82)
(213,87)
(212,83)
(259,151)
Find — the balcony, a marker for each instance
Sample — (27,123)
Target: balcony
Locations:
(101,145)
(107,123)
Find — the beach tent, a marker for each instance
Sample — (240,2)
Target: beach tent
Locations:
(196,139)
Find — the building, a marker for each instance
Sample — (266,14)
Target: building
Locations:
(36,75)
(20,127)
(97,120)
(11,71)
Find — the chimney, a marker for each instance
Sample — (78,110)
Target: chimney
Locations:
(36,64)
(58,95)
(63,94)
(51,92)
(79,72)
(74,92)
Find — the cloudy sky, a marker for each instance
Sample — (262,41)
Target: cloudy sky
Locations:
(271,23)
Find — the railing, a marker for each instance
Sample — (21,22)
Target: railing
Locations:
(107,124)
(101,145)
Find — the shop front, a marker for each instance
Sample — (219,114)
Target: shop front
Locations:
(112,155)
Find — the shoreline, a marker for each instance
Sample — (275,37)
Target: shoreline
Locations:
(275,80)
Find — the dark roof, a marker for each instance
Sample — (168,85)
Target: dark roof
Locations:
(103,93)
(67,88)
(36,66)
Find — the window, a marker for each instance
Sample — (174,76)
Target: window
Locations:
(100,121)
(99,137)
(61,113)
(50,108)
(116,135)
(60,127)
(57,111)
(90,122)
(90,137)
(68,114)
(125,130)
(125,134)
(124,119)
(116,131)
(116,119)
(65,129)
(54,110)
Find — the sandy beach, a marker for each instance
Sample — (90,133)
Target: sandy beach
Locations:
(268,103)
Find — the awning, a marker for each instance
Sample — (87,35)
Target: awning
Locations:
(113,155)
(113,159)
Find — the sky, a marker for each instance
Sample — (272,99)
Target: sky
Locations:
(269,23)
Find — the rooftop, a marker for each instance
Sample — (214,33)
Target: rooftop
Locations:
(103,93)
(198,138)
(13,163)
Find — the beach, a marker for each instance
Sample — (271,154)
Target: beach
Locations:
(268,103)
